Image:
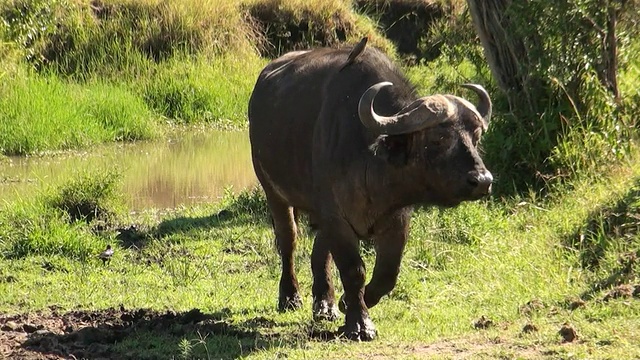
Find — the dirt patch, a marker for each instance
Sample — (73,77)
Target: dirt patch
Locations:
(474,348)
(623,291)
(100,334)
(483,323)
(532,306)
(575,303)
(568,333)
(529,328)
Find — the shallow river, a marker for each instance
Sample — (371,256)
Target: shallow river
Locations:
(191,167)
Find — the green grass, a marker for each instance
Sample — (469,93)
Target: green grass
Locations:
(489,258)
(202,90)
(44,112)
(78,73)
(56,222)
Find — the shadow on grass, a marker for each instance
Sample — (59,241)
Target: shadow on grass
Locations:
(610,231)
(146,334)
(226,217)
(623,273)
(248,208)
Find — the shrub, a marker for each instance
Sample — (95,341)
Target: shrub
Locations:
(49,224)
(88,197)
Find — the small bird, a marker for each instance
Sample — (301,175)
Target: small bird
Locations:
(106,255)
(355,52)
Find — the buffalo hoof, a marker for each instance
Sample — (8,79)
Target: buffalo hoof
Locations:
(363,330)
(286,303)
(324,310)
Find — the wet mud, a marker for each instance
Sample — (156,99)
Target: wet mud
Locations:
(104,334)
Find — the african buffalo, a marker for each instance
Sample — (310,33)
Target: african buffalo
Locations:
(355,149)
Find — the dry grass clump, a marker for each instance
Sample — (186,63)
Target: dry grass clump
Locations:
(299,24)
(84,38)
(213,26)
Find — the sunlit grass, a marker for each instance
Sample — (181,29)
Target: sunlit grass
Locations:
(213,90)
(486,258)
(44,112)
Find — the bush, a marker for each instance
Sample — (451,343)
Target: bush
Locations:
(556,113)
(61,222)
(88,197)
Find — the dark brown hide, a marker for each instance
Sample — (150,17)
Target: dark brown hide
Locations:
(311,152)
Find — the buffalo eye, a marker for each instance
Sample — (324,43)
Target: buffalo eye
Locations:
(440,140)
(394,149)
(477,134)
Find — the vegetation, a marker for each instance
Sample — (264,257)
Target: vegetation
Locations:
(180,61)
(44,112)
(557,244)
(472,279)
(561,81)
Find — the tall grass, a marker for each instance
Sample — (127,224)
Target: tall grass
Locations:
(191,90)
(294,25)
(108,70)
(41,112)
(59,222)
(87,38)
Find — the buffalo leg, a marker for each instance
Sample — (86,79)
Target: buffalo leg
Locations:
(389,243)
(324,307)
(345,248)
(285,230)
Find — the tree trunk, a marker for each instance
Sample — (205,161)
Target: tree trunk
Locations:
(610,53)
(505,51)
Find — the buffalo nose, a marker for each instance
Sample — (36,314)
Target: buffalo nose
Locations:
(480,181)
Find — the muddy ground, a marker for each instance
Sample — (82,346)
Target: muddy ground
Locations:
(116,333)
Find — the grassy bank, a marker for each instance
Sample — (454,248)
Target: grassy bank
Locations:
(45,112)
(76,73)
(516,262)
(194,62)
(492,279)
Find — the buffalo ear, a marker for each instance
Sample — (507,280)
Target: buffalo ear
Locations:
(394,149)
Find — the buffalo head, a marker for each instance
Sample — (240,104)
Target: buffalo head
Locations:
(434,142)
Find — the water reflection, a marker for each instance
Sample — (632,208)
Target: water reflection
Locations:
(192,167)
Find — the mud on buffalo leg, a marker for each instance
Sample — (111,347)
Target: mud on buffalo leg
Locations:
(345,248)
(285,230)
(389,241)
(324,307)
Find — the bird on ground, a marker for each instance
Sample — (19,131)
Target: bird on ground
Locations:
(355,52)
(106,255)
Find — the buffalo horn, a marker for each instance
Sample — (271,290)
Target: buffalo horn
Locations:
(484,107)
(420,114)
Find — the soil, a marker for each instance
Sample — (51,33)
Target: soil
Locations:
(568,333)
(96,334)
(576,303)
(529,328)
(623,291)
(535,305)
